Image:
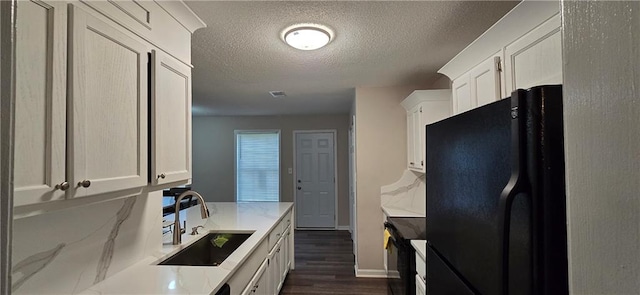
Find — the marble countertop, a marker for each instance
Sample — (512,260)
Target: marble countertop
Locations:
(146,277)
(392,211)
(421,248)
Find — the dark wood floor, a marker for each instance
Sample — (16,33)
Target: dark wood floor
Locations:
(324,265)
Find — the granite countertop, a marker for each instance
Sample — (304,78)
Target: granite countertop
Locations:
(146,277)
(421,248)
(393,211)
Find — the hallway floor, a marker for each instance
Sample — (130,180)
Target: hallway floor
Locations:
(324,265)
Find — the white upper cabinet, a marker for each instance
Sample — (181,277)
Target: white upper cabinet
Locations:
(423,107)
(484,81)
(521,50)
(171,120)
(536,58)
(40,108)
(461,96)
(84,99)
(479,86)
(107,130)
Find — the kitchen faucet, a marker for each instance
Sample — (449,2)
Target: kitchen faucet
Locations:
(204,212)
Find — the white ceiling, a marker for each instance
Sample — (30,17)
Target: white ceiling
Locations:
(240,57)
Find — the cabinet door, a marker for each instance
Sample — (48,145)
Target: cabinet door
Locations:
(40,107)
(410,140)
(284,254)
(171,122)
(485,81)
(416,139)
(107,130)
(462,95)
(259,283)
(275,277)
(535,58)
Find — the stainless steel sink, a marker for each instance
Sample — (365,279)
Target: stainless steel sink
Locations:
(210,250)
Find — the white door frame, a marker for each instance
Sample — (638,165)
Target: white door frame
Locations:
(334,132)
(354,183)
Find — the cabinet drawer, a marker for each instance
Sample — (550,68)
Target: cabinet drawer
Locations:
(421,266)
(279,230)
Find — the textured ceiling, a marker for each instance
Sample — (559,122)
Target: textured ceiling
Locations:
(240,57)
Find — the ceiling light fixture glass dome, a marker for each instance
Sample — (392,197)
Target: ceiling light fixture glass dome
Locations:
(307,37)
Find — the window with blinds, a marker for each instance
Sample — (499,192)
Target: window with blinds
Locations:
(258,166)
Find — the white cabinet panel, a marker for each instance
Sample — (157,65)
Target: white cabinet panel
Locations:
(421,288)
(462,101)
(259,283)
(40,112)
(171,122)
(275,276)
(107,108)
(535,58)
(423,107)
(485,82)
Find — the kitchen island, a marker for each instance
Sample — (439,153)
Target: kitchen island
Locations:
(146,277)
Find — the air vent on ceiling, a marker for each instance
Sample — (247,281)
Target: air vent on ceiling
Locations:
(277,94)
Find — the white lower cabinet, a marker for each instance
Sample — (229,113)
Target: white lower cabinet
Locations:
(259,284)
(269,278)
(421,287)
(274,269)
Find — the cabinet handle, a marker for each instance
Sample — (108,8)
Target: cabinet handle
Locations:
(421,163)
(411,163)
(162,176)
(62,186)
(85,183)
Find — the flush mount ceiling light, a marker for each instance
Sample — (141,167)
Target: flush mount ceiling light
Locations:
(307,36)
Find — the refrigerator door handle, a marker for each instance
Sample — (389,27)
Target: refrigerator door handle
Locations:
(518,182)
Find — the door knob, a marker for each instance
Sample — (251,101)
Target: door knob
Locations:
(85,183)
(299,188)
(62,186)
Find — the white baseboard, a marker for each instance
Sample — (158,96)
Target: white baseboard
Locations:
(342,227)
(370,273)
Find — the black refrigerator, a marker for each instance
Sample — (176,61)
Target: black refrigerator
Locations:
(496,213)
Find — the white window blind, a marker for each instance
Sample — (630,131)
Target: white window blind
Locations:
(257,166)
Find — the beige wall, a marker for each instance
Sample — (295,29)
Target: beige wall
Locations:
(381,125)
(214,154)
(602,141)
(442,83)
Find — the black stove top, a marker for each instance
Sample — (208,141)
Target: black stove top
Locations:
(409,228)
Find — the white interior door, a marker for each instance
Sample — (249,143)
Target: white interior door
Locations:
(315,180)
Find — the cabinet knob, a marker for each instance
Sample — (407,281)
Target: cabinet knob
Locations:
(85,183)
(162,176)
(422,163)
(411,163)
(299,188)
(63,186)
